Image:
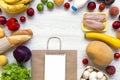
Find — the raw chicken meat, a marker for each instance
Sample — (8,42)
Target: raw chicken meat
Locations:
(94,25)
(96,17)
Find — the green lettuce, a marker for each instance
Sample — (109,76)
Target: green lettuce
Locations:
(14,71)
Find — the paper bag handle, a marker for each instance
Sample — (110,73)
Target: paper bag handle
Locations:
(54,38)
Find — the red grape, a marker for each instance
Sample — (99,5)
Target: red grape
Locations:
(2,20)
(110,69)
(116,24)
(91,5)
(30,12)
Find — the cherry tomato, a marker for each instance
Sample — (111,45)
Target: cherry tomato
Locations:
(116,55)
(85,61)
(22,19)
(67,5)
(101,7)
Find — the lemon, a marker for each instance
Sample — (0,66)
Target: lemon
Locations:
(2,33)
(3,60)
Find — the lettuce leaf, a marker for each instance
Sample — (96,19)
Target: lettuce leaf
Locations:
(14,71)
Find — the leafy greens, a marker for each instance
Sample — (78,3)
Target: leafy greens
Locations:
(14,71)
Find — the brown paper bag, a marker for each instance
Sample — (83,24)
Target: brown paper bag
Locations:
(38,63)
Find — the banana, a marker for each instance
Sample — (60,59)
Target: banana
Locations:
(13,9)
(22,2)
(114,42)
(11,1)
(25,1)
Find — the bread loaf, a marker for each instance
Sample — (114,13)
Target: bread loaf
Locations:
(16,38)
(20,37)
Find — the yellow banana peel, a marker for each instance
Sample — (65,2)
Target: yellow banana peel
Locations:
(23,2)
(11,1)
(14,7)
(110,40)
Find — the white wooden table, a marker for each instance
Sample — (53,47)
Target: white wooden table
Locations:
(64,24)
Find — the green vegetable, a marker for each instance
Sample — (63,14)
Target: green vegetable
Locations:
(14,71)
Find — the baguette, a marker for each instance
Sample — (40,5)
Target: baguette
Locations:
(16,38)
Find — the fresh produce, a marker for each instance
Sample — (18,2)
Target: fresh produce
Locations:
(91,5)
(108,2)
(58,2)
(13,24)
(114,11)
(101,7)
(40,7)
(116,24)
(11,1)
(92,73)
(116,55)
(112,41)
(44,1)
(22,54)
(30,11)
(110,69)
(2,33)
(3,20)
(16,6)
(118,33)
(14,71)
(3,60)
(67,5)
(100,53)
(50,5)
(22,19)
(15,39)
(85,61)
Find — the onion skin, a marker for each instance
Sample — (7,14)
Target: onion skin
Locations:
(22,54)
